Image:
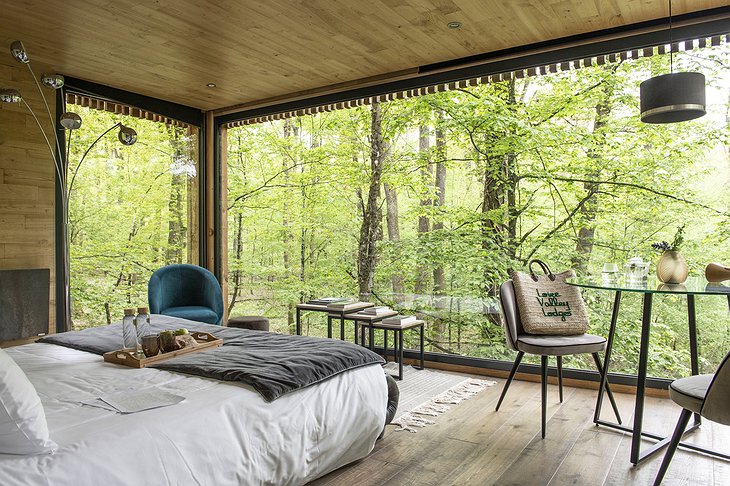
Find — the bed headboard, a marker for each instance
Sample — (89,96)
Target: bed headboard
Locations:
(24,303)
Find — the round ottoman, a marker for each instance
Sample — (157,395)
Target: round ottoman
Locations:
(256,323)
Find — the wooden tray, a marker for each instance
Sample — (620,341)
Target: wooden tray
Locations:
(127,357)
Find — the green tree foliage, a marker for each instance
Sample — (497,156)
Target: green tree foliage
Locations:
(129,211)
(557,167)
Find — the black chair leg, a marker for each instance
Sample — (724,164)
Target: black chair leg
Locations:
(544,392)
(560,377)
(676,437)
(599,367)
(520,354)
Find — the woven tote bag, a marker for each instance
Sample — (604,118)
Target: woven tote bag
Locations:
(547,304)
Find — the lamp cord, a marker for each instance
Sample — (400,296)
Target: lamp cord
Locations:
(671,46)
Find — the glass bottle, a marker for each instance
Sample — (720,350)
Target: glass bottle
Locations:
(129,330)
(142,321)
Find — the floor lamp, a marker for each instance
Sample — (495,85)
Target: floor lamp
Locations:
(69,122)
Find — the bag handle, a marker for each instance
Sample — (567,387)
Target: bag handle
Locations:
(544,266)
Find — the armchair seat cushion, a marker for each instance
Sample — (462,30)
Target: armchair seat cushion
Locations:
(560,345)
(689,393)
(194,313)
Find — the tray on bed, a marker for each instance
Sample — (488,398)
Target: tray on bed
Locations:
(126,357)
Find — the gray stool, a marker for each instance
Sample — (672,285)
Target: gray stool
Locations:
(256,323)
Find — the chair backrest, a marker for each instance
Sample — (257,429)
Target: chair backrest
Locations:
(716,406)
(184,285)
(513,325)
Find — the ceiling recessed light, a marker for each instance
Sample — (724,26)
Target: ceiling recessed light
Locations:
(211,85)
(453,25)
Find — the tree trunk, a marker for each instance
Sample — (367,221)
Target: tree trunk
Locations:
(587,214)
(176,235)
(424,224)
(499,188)
(370,231)
(439,281)
(290,130)
(237,246)
(391,218)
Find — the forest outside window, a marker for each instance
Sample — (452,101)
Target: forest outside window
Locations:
(132,210)
(426,204)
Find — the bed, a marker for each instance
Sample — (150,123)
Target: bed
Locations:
(224,432)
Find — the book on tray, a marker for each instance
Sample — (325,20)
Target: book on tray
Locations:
(399,320)
(376,311)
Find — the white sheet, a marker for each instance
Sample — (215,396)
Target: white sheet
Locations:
(222,433)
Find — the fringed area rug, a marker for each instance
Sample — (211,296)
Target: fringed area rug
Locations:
(426,394)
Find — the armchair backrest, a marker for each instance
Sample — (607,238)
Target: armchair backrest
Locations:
(512,323)
(184,285)
(716,406)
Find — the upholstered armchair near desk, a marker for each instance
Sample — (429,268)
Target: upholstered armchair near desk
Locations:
(186,291)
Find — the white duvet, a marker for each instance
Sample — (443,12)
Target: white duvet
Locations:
(222,433)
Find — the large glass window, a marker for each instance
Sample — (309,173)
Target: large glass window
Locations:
(132,209)
(426,204)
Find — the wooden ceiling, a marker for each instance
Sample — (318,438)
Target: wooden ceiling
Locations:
(257,50)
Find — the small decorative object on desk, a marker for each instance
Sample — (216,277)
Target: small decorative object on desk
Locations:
(399,320)
(636,270)
(376,311)
(610,272)
(671,268)
(129,331)
(717,272)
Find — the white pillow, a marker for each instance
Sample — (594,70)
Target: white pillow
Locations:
(23,427)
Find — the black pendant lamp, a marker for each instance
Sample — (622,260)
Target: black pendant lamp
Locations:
(672,97)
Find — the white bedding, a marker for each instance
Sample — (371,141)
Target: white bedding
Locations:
(222,433)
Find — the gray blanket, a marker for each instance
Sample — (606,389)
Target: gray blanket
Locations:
(274,364)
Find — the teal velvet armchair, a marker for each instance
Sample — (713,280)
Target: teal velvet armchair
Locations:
(186,291)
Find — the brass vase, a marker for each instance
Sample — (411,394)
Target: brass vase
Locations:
(672,268)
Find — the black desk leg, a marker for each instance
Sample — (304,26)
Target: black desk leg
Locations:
(607,357)
(400,353)
(641,379)
(342,327)
(372,337)
(355,323)
(693,342)
(299,321)
(329,327)
(423,366)
(385,344)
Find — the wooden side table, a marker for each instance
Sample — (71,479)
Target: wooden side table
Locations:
(397,340)
(331,314)
(364,320)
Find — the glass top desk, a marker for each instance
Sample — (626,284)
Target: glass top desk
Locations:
(693,286)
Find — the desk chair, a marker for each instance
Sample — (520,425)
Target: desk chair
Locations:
(707,395)
(186,291)
(544,346)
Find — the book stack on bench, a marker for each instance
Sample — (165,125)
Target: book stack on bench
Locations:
(399,320)
(328,300)
(377,311)
(346,305)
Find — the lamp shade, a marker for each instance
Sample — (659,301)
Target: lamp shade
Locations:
(9,95)
(672,97)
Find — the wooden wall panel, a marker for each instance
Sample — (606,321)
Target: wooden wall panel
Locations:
(27,224)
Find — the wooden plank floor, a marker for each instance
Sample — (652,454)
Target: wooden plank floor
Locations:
(471,444)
